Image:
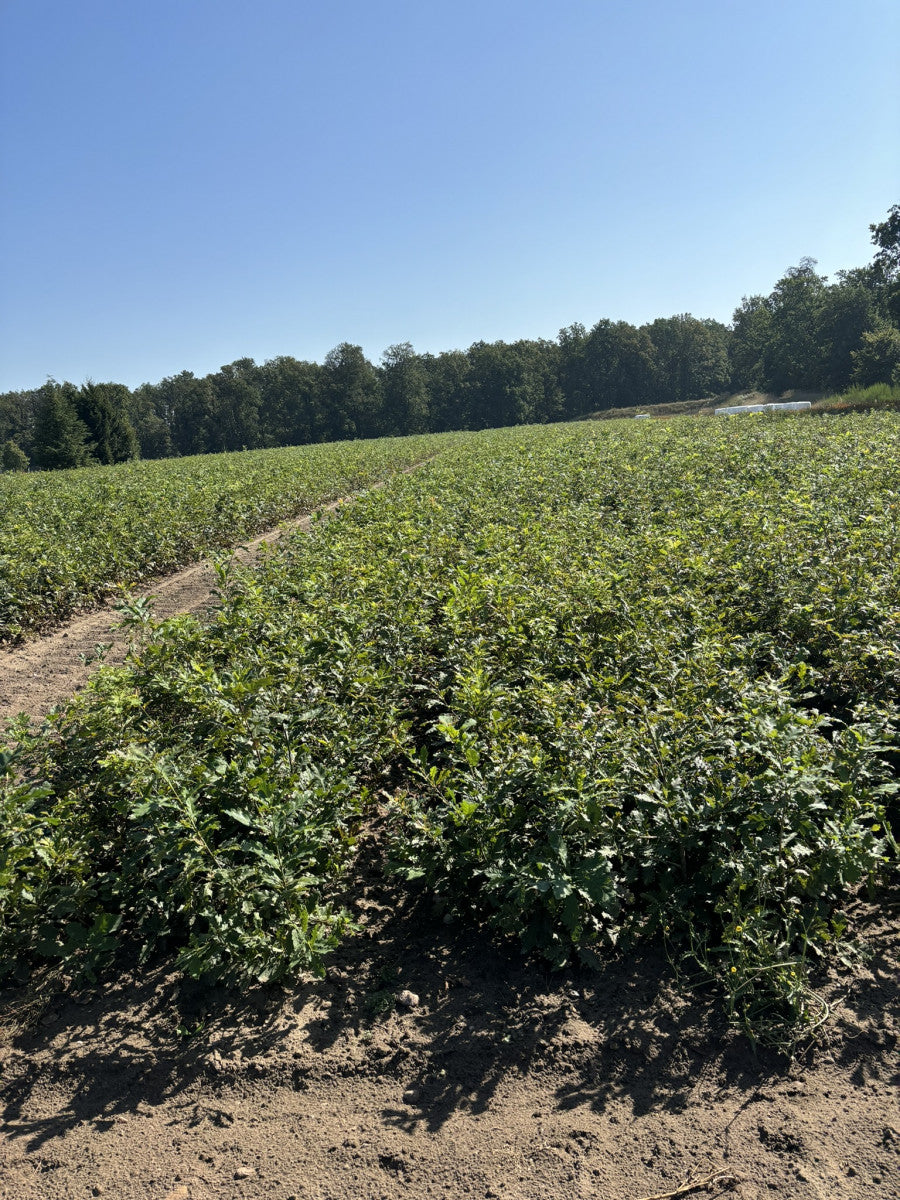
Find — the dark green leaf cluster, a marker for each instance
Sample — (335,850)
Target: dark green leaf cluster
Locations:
(12,456)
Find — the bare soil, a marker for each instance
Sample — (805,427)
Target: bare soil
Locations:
(503,1081)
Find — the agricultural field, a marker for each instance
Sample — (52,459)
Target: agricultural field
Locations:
(619,696)
(594,685)
(67,537)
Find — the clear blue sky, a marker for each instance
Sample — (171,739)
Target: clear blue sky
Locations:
(185,182)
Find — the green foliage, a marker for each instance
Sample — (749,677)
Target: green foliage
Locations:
(176,845)
(886,236)
(810,334)
(807,334)
(878,358)
(12,457)
(103,407)
(612,365)
(691,358)
(749,348)
(602,684)
(794,353)
(405,390)
(68,540)
(60,436)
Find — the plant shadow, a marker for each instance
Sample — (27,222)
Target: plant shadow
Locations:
(484,1016)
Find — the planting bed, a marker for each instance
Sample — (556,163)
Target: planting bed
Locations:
(622,697)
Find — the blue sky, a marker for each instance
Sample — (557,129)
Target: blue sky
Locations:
(186,182)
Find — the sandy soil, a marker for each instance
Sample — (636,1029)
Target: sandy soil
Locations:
(502,1082)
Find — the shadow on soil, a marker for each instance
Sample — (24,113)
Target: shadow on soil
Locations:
(622,1033)
(128,1050)
(484,1015)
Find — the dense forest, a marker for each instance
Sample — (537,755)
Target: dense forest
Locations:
(807,333)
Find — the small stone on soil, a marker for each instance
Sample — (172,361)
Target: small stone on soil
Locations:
(408,999)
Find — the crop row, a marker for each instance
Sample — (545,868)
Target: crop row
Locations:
(601,684)
(66,537)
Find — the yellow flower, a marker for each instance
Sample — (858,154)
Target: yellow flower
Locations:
(734,970)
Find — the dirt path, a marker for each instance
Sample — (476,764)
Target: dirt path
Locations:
(40,674)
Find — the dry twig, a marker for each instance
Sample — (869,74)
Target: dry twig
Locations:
(692,1185)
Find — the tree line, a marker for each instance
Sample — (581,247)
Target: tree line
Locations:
(807,333)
